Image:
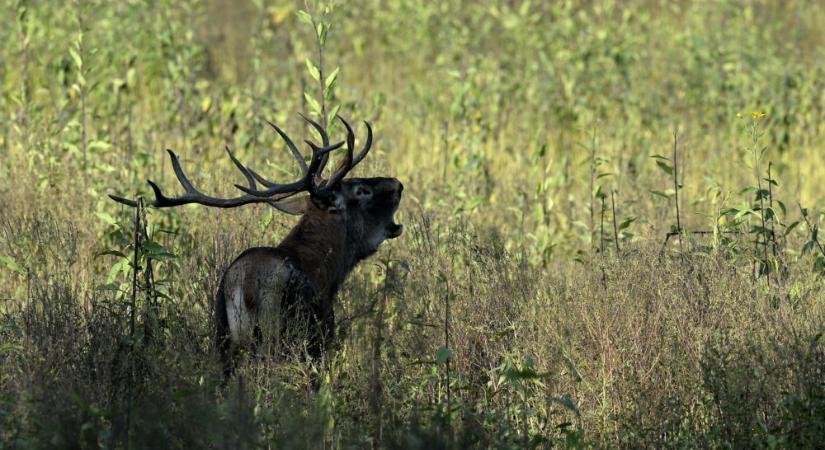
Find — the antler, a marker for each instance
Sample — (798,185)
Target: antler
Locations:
(310,180)
(348,162)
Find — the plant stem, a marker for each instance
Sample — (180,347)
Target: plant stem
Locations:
(321,79)
(23,117)
(615,227)
(132,313)
(676,186)
(592,180)
(773,218)
(756,158)
(447,345)
(601,227)
(445,139)
(377,385)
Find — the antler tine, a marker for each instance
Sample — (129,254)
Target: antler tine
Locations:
(249,178)
(184,181)
(346,164)
(321,131)
(160,199)
(325,141)
(305,183)
(319,154)
(124,201)
(349,161)
(290,144)
(367,145)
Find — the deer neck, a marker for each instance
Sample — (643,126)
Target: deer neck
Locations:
(319,244)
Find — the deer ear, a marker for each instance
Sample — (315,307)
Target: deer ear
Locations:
(333,202)
(295,205)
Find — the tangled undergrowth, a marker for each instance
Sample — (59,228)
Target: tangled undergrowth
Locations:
(611,209)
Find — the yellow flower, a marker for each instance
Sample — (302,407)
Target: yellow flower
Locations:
(757,114)
(739,115)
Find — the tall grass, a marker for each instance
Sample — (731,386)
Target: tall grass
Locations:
(545,292)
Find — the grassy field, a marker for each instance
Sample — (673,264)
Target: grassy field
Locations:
(611,214)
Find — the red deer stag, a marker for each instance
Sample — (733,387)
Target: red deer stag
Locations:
(288,291)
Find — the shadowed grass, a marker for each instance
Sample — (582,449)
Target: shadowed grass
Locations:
(508,122)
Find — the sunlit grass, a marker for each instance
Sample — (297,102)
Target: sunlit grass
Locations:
(508,123)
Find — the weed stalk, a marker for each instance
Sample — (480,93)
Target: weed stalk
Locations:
(601,226)
(615,226)
(812,228)
(132,318)
(676,186)
(447,345)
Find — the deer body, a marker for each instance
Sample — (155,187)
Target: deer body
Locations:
(286,294)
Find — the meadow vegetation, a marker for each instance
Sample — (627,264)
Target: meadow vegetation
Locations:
(611,211)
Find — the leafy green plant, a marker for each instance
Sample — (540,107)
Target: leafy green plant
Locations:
(323,105)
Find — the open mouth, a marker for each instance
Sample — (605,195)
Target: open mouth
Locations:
(394,230)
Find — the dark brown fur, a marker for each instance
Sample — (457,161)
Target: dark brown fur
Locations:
(315,259)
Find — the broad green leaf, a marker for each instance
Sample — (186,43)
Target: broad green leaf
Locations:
(819,264)
(443,354)
(334,112)
(78,61)
(106,218)
(122,265)
(744,213)
(665,167)
(567,401)
(627,222)
(304,17)
(103,145)
(156,250)
(313,104)
(473,203)
(331,78)
(329,93)
(11,264)
(111,252)
(313,69)
(791,227)
(807,247)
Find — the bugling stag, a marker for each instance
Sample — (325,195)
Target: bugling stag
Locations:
(286,292)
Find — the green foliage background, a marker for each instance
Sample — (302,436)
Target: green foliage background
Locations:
(509,122)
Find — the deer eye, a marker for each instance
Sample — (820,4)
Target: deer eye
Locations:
(362,191)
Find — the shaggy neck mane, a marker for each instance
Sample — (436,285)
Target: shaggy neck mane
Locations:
(319,244)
